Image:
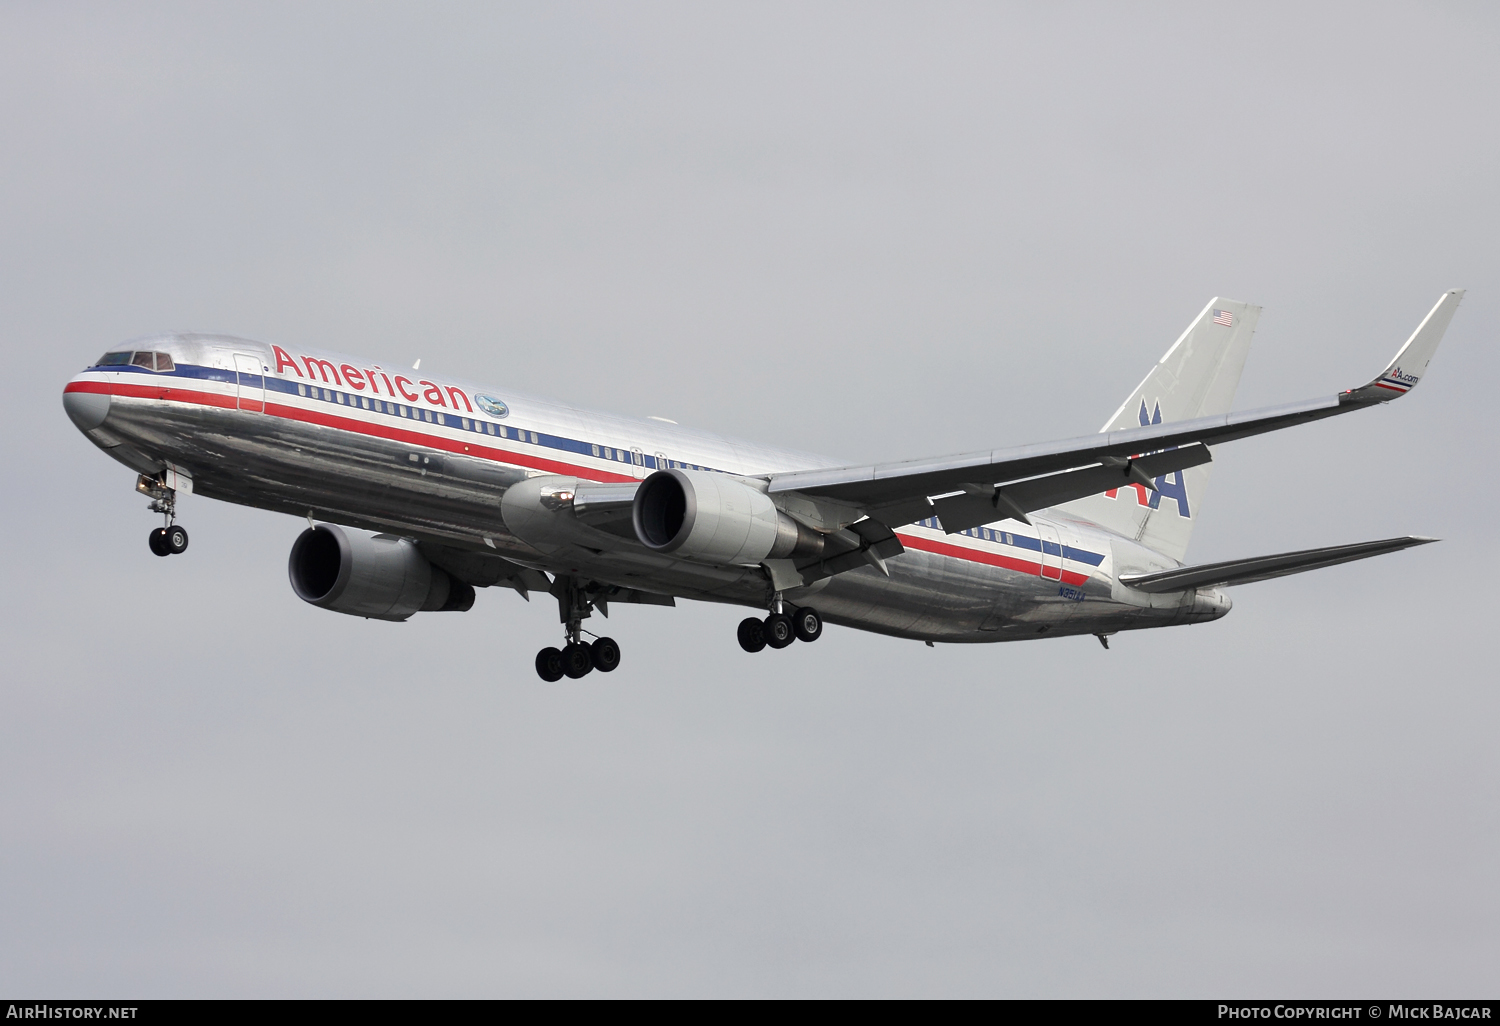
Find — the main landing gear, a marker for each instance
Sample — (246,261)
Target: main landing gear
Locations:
(577,658)
(780,629)
(170,539)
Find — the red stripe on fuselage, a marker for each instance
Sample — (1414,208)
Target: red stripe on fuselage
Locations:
(362,427)
(1024,566)
(397,434)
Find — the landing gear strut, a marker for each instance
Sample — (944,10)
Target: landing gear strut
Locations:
(171,539)
(781,628)
(577,657)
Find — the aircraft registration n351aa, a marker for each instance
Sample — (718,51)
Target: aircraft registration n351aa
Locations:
(419,488)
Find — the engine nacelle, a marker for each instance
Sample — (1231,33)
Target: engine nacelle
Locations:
(379,576)
(715,518)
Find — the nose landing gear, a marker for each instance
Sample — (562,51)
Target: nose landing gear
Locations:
(171,539)
(168,541)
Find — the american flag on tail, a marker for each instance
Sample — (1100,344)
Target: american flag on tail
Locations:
(1224,317)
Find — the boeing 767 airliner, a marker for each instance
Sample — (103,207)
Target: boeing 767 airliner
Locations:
(418,489)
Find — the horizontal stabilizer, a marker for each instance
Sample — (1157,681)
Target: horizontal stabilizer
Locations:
(1263,568)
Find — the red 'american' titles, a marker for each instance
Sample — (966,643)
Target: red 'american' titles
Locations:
(347,375)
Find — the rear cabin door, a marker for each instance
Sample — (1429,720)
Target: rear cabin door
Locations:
(252,385)
(1051,550)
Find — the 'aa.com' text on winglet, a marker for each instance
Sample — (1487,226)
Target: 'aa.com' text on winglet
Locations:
(1411,361)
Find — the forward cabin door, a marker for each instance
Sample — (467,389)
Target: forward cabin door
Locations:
(252,386)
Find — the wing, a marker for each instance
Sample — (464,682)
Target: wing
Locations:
(981,487)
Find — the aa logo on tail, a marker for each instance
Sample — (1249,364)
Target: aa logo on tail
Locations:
(1170,486)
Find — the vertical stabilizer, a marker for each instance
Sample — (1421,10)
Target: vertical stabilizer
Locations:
(1196,378)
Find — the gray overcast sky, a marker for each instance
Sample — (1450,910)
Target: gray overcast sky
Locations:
(861,229)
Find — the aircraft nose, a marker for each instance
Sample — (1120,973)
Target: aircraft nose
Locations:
(86,409)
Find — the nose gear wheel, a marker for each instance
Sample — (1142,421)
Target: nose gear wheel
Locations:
(171,539)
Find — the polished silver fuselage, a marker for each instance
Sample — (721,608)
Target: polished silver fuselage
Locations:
(293,439)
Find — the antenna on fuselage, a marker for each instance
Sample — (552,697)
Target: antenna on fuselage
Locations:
(417,365)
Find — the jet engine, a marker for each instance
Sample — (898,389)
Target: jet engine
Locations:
(716,518)
(378,576)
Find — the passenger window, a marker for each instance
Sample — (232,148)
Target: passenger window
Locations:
(440,419)
(338,398)
(491,429)
(596,450)
(428,415)
(113,360)
(402,409)
(146,360)
(534,438)
(301,389)
(164,362)
(364,402)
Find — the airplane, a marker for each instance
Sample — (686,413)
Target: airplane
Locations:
(419,488)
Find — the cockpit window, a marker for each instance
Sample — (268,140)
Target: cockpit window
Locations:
(150,361)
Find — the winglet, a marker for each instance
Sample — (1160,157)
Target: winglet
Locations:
(1411,362)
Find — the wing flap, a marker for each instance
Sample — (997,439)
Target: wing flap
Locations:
(1263,568)
(1015,500)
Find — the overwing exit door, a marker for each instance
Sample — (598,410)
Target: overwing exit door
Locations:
(252,385)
